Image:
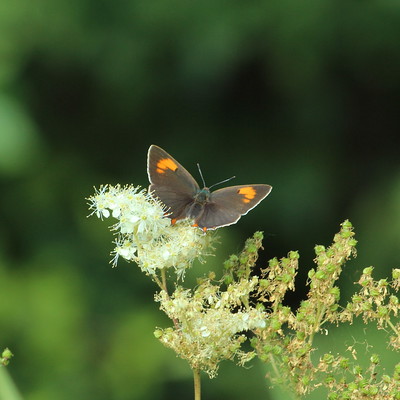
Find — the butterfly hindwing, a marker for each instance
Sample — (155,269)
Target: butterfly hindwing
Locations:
(227,205)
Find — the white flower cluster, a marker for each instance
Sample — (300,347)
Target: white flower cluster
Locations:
(145,233)
(208,323)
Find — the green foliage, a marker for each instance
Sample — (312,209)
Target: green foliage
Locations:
(287,343)
(300,95)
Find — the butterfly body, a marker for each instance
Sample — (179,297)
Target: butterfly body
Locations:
(178,190)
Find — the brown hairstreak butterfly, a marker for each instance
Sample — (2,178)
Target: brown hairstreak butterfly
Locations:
(178,190)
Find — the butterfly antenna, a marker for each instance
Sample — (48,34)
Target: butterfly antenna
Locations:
(225,180)
(201,174)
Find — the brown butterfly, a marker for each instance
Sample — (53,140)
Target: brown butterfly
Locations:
(178,190)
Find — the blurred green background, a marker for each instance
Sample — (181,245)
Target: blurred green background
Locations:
(301,95)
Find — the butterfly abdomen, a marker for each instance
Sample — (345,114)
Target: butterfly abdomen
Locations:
(195,209)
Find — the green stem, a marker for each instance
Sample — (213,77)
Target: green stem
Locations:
(197,384)
(163,286)
(318,323)
(274,367)
(164,279)
(393,327)
(163,282)
(159,283)
(8,390)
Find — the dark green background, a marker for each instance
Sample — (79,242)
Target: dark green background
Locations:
(301,95)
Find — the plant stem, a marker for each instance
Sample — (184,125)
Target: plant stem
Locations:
(164,279)
(197,384)
(8,390)
(163,282)
(393,327)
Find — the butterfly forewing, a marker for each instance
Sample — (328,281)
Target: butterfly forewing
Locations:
(170,181)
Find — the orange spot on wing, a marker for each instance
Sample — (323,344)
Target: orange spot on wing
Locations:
(165,164)
(196,225)
(248,192)
(173,221)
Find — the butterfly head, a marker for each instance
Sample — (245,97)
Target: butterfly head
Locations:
(202,196)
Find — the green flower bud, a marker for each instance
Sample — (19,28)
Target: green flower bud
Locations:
(346,234)
(319,249)
(251,248)
(305,380)
(273,262)
(264,283)
(268,348)
(373,390)
(285,262)
(383,311)
(375,292)
(259,235)
(347,224)
(336,292)
(353,386)
(374,359)
(353,242)
(356,299)
(329,380)
(158,333)
(331,268)
(366,306)
(275,324)
(7,353)
(333,396)
(286,311)
(368,270)
(344,363)
(244,258)
(286,278)
(300,335)
(346,395)
(396,273)
(228,279)
(362,383)
(320,275)
(330,253)
(328,358)
(357,370)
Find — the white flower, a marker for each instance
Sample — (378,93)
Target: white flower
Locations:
(209,325)
(145,233)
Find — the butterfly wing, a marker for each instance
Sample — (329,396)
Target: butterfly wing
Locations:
(227,205)
(170,182)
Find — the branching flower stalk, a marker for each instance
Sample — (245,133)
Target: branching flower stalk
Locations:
(208,323)
(212,321)
(287,342)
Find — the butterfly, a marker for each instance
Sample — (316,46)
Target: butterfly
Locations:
(171,183)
